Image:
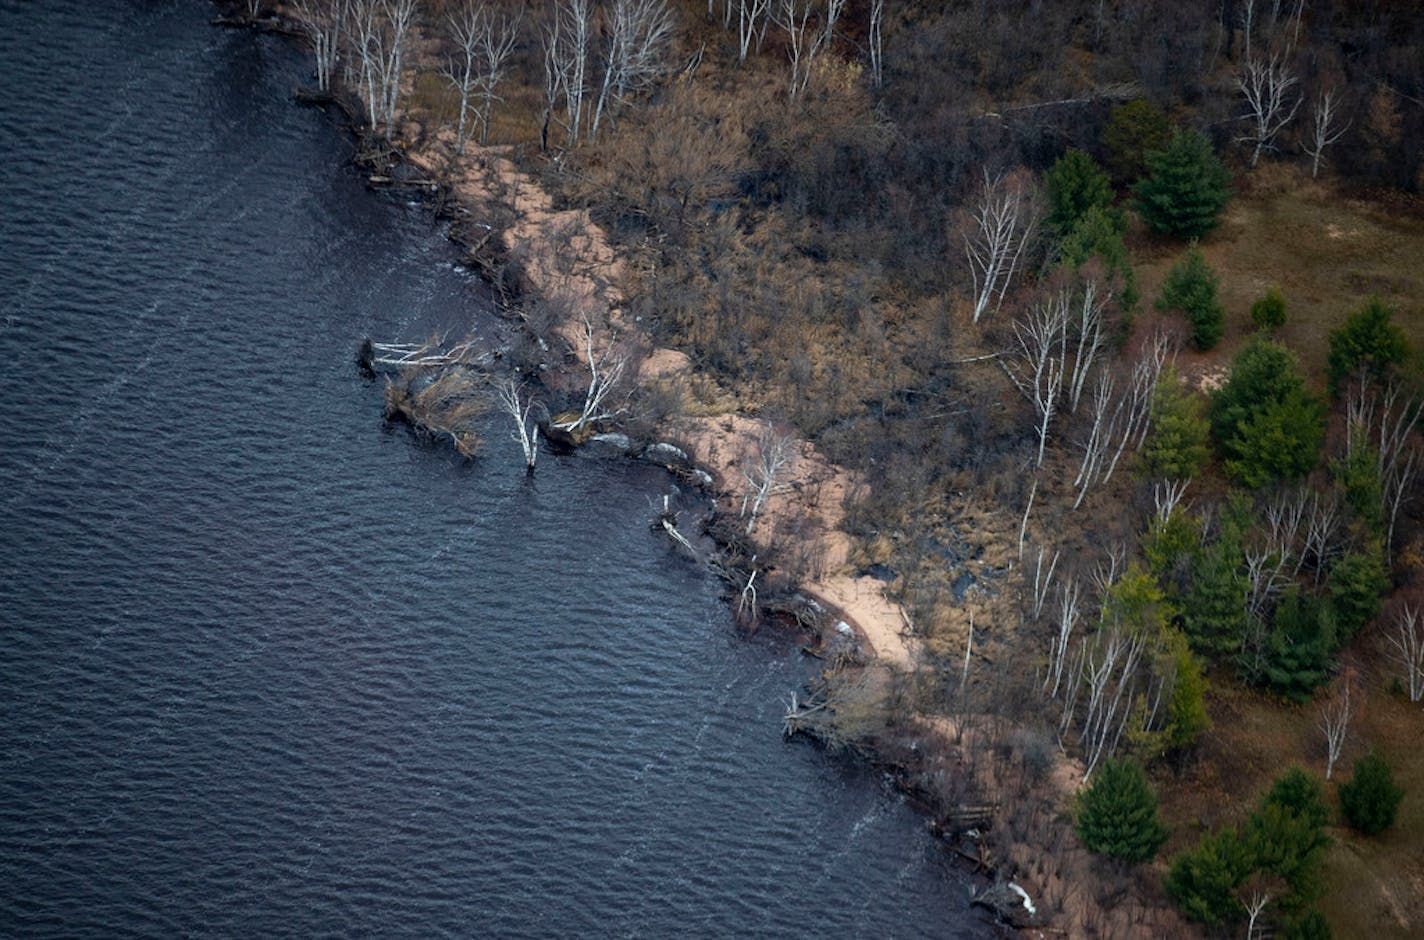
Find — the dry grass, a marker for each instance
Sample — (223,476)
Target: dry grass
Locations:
(1328,252)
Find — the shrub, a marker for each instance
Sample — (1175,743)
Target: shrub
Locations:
(1370,800)
(1269,312)
(1311,925)
(1191,288)
(1117,813)
(1076,184)
(1134,130)
(1266,424)
(1186,188)
(1368,341)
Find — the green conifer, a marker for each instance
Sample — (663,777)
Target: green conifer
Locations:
(1117,813)
(1186,188)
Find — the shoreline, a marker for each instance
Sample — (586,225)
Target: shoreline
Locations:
(564,259)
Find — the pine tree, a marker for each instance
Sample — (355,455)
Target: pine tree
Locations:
(1300,649)
(1098,234)
(1186,188)
(1190,287)
(1214,612)
(1176,447)
(1186,712)
(1368,341)
(1117,814)
(1370,800)
(1134,130)
(1203,881)
(1266,423)
(1356,582)
(1076,184)
(1300,793)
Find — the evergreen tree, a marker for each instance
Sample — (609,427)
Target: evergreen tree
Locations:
(1076,184)
(1368,341)
(1269,312)
(1291,846)
(1170,546)
(1300,649)
(1176,447)
(1134,130)
(1098,234)
(1356,581)
(1191,288)
(1370,800)
(1203,881)
(1214,612)
(1266,424)
(1302,794)
(1117,813)
(1186,188)
(1358,475)
(1311,925)
(1186,712)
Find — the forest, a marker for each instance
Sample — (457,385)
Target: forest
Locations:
(1114,311)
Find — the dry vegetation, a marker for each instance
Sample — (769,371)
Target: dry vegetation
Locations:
(805,255)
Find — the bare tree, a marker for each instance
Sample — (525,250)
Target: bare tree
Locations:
(1001,224)
(751,24)
(1042,581)
(1124,418)
(1038,363)
(1266,85)
(1088,325)
(323,22)
(606,369)
(876,41)
(1326,128)
(1254,905)
(1399,457)
(773,452)
(1068,615)
(803,43)
(483,44)
(567,35)
(1408,650)
(378,33)
(1322,523)
(1335,722)
(512,401)
(637,44)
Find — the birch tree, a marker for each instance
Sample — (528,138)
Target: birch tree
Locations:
(513,401)
(638,37)
(1407,649)
(752,16)
(773,452)
(1326,128)
(803,42)
(1001,223)
(378,34)
(875,40)
(323,22)
(1335,722)
(1266,86)
(1039,359)
(483,46)
(567,36)
(1088,326)
(605,397)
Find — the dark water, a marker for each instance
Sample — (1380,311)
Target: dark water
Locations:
(270,669)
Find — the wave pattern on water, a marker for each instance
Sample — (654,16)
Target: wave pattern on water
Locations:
(267,668)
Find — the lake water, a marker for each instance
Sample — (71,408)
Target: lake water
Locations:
(269,668)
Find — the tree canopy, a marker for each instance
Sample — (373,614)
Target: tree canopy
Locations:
(1186,187)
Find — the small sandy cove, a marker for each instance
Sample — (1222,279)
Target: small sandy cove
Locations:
(565,257)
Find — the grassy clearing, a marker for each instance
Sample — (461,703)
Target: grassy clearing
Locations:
(1328,252)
